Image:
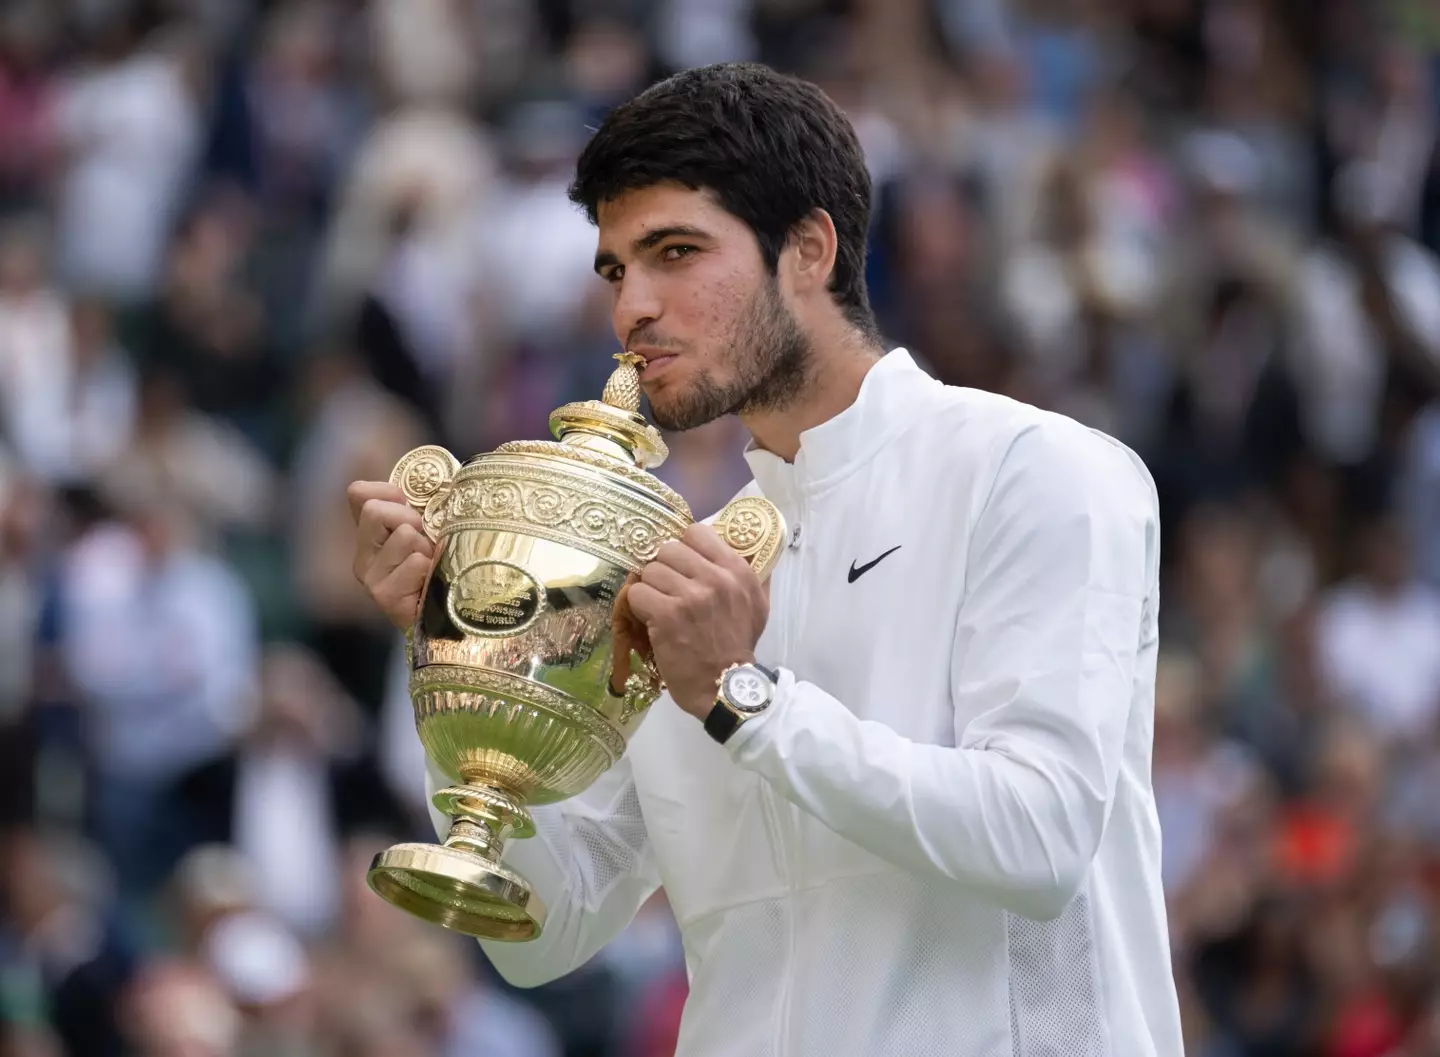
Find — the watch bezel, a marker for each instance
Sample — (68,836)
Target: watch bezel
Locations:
(747,669)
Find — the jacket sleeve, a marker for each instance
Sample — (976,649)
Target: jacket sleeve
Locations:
(591,865)
(1060,574)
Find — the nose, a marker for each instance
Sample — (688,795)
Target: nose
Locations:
(637,304)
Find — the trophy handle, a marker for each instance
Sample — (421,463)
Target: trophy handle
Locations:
(756,529)
(425,474)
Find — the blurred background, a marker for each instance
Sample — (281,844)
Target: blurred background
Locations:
(251,250)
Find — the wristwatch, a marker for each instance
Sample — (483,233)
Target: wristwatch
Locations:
(745,690)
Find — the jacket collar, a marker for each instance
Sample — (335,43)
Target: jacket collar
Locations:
(884,406)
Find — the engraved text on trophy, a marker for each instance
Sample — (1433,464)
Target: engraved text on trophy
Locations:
(495,598)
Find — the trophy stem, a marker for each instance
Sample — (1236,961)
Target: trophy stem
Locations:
(484,815)
(483,818)
(462,884)
(477,838)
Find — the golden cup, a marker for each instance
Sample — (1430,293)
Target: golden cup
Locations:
(511,653)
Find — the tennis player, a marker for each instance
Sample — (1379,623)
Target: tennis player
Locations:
(899,797)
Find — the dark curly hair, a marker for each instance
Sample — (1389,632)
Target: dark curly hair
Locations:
(770,147)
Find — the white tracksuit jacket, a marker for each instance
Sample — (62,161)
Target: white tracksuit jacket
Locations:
(941,840)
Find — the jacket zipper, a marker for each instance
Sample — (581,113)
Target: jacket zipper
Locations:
(772,816)
(783,813)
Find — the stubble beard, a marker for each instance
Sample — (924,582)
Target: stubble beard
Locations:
(772,359)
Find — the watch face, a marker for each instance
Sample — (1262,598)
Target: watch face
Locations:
(747,689)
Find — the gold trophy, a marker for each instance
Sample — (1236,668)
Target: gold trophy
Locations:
(511,653)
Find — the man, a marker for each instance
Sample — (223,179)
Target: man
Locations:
(934,835)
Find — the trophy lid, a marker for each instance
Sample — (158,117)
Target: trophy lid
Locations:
(611,434)
(615,417)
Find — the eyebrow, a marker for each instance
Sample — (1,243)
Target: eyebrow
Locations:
(605,259)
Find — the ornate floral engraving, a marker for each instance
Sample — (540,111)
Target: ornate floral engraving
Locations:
(549,503)
(641,691)
(424,473)
(425,476)
(545,505)
(648,481)
(744,530)
(756,529)
(592,520)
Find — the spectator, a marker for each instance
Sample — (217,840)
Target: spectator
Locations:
(35,355)
(177,1009)
(201,463)
(28,89)
(207,328)
(61,940)
(1379,636)
(1367,306)
(252,251)
(354,430)
(160,641)
(128,124)
(290,791)
(267,975)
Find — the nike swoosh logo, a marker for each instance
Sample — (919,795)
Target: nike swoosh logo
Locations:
(857,572)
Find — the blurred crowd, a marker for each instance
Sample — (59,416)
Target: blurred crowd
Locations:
(251,250)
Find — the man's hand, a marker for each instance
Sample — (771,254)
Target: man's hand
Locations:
(393,555)
(704,609)
(628,632)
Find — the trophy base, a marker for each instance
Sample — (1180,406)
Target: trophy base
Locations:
(458,889)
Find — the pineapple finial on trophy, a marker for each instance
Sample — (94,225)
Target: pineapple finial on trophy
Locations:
(623,388)
(613,424)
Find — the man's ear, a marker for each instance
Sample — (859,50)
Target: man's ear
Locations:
(810,252)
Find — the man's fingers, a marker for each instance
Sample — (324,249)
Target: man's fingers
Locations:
(625,622)
(380,519)
(361,492)
(629,633)
(647,603)
(664,579)
(621,640)
(405,543)
(706,542)
(622,628)
(620,664)
(683,558)
(408,578)
(400,592)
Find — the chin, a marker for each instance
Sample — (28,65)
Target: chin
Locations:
(685,399)
(662,397)
(665,414)
(662,414)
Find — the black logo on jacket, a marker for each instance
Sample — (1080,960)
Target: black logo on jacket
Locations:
(858,571)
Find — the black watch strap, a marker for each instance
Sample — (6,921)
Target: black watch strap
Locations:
(722,721)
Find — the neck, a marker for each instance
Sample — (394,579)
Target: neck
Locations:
(840,362)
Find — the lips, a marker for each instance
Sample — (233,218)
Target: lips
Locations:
(656,360)
(658,364)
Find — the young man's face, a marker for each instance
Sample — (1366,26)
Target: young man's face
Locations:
(693,296)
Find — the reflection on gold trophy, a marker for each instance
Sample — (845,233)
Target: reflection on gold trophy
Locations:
(511,653)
